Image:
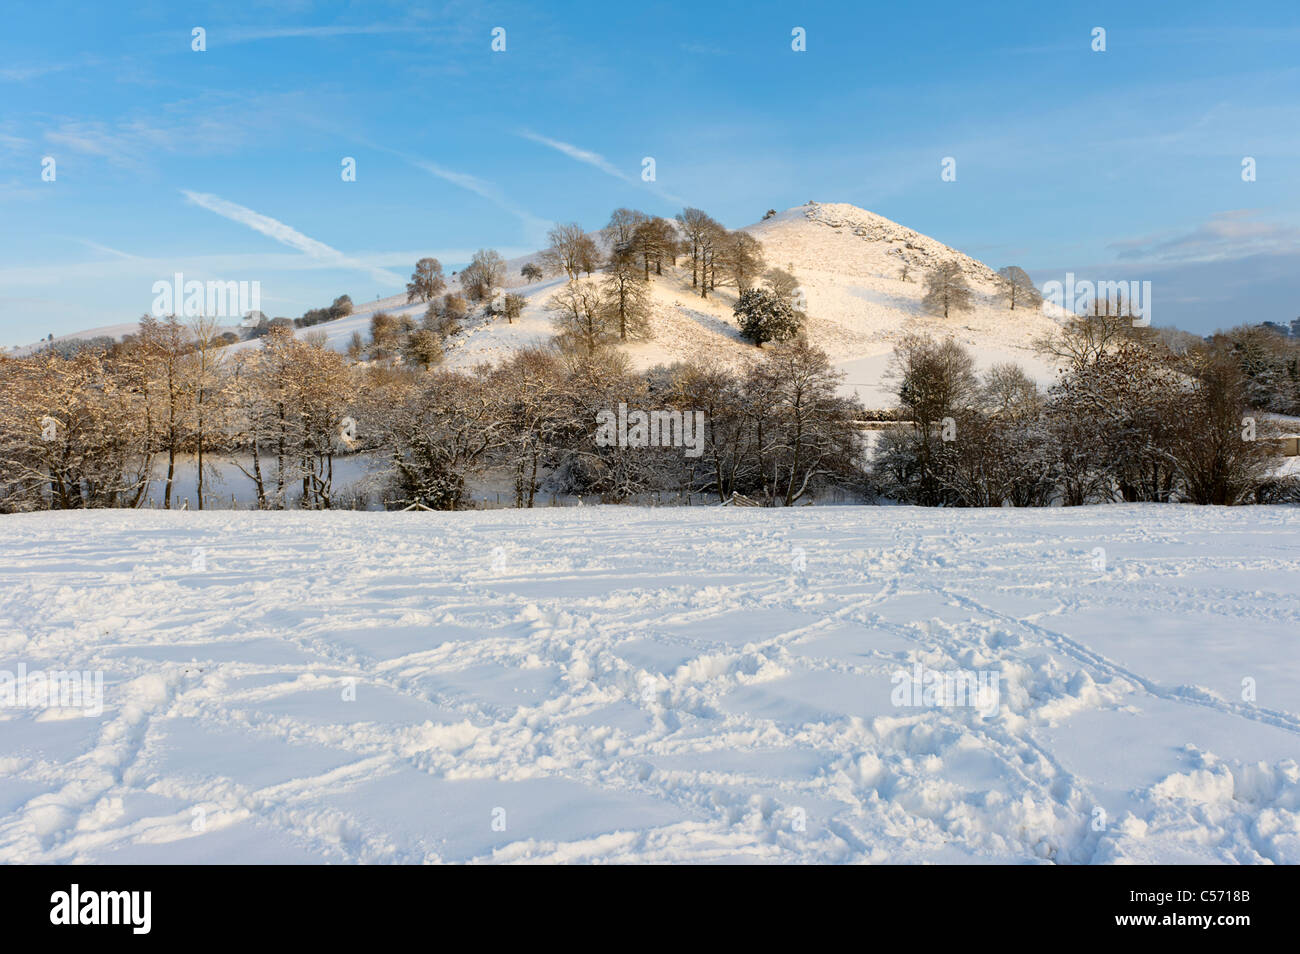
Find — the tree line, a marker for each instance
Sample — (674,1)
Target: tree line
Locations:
(108,428)
(1135,414)
(1129,418)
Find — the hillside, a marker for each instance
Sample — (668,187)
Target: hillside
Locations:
(849,262)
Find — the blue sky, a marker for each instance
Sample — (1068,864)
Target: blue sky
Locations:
(225,164)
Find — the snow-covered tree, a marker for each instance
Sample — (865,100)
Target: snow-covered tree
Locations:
(764,316)
(653,241)
(425,283)
(583,320)
(1019,287)
(946,289)
(701,232)
(569,249)
(485,273)
(626,295)
(741,256)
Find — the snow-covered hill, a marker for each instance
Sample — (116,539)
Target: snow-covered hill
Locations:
(849,262)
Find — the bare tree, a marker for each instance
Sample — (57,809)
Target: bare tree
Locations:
(583,321)
(424,347)
(934,381)
(205,369)
(781,282)
(1219,460)
(425,284)
(718,394)
(1009,393)
(1115,419)
(445,317)
(567,249)
(816,436)
(711,251)
(700,231)
(385,335)
(626,295)
(1084,340)
(436,438)
(742,258)
(1019,287)
(69,435)
(253,414)
(303,390)
(589,257)
(655,240)
(623,224)
(167,345)
(946,289)
(485,273)
(529,386)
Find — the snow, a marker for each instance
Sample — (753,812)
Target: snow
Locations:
(849,263)
(643,684)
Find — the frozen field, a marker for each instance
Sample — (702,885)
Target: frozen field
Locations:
(619,684)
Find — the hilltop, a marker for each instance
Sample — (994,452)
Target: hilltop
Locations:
(849,263)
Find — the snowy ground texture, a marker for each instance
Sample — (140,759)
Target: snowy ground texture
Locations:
(620,684)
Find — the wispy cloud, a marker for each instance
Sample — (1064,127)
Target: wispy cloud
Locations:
(703,49)
(1237,233)
(117,146)
(12,143)
(286,235)
(136,144)
(250,34)
(107,250)
(535,225)
(14,189)
(20,74)
(595,160)
(580,154)
(216,121)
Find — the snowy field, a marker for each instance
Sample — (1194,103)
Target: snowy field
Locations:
(620,684)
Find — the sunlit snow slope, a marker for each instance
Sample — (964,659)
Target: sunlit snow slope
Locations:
(849,262)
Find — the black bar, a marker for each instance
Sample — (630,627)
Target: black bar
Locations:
(329,905)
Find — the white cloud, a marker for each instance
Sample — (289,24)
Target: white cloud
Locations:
(1225,235)
(106,249)
(286,235)
(596,160)
(580,154)
(19,74)
(535,225)
(247,34)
